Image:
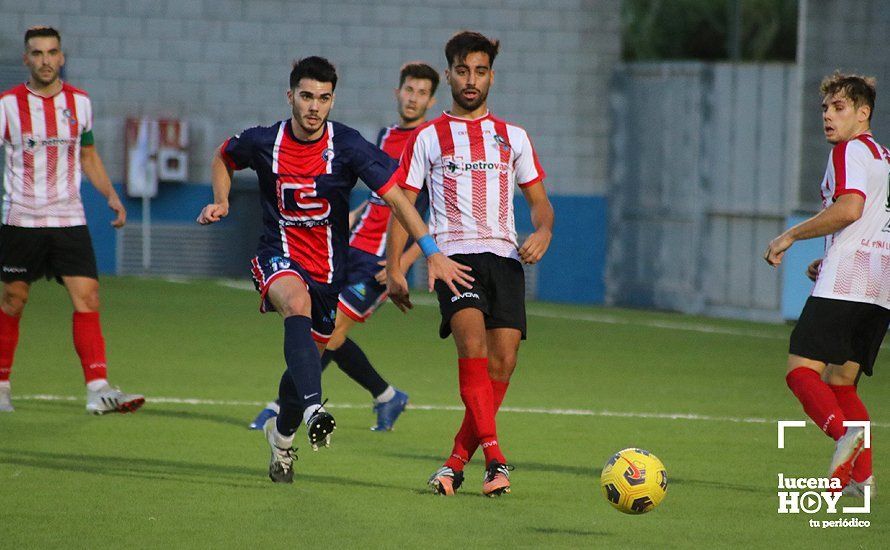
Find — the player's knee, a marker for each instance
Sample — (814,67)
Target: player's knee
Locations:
(336,341)
(841,377)
(501,366)
(88,301)
(14,300)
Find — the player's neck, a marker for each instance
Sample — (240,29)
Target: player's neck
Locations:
(302,135)
(460,112)
(409,124)
(47,90)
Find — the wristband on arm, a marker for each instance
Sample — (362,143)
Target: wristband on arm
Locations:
(427,245)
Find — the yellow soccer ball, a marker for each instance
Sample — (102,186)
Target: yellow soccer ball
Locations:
(634,481)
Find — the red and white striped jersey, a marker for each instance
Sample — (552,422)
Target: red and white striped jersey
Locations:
(856,266)
(41,138)
(472,167)
(369,233)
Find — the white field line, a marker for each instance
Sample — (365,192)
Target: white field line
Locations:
(422,299)
(522,410)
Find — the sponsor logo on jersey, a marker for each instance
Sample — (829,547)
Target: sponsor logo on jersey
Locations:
(31,142)
(455,166)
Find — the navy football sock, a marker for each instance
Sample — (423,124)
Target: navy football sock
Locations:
(353,361)
(301,383)
(326,358)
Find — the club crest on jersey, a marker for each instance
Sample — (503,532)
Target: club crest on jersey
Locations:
(327,155)
(502,142)
(69,116)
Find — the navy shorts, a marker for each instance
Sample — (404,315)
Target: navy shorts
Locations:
(837,331)
(266,269)
(363,294)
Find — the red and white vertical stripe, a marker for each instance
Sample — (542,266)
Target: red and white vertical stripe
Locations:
(473,168)
(41,137)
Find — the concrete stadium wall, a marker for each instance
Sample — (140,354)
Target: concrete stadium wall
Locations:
(849,35)
(223,66)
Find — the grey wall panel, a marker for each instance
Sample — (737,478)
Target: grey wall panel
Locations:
(223,66)
(699,176)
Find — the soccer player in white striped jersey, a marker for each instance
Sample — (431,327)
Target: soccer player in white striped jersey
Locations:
(46,128)
(471,162)
(844,321)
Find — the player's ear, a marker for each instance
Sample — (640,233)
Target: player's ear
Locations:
(431,102)
(62,59)
(863,113)
(290,97)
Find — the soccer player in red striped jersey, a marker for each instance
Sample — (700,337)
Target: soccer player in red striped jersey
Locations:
(365,289)
(306,167)
(844,321)
(46,128)
(471,162)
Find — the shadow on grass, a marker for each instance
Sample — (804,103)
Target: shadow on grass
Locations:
(166,470)
(573,532)
(594,472)
(529,466)
(76,407)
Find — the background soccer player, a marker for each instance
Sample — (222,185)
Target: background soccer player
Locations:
(46,127)
(366,288)
(472,161)
(844,321)
(306,166)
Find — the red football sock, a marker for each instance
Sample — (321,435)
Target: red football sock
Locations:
(478,397)
(818,401)
(90,345)
(466,442)
(9,339)
(854,409)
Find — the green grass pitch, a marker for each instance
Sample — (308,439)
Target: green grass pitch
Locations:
(179,474)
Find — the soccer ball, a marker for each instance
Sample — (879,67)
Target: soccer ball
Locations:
(634,481)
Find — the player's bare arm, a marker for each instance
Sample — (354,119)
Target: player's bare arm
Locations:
(439,266)
(94,169)
(396,238)
(408,258)
(221,181)
(536,244)
(846,210)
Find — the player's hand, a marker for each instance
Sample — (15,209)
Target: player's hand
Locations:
(813,269)
(212,213)
(776,249)
(114,202)
(380,277)
(534,247)
(440,266)
(397,288)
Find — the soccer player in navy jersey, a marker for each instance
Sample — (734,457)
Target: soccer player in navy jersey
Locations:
(306,167)
(365,289)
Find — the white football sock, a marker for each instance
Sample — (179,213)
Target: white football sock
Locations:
(310,411)
(386,396)
(274,406)
(96,385)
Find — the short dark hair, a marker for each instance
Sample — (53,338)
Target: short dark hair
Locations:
(418,69)
(41,31)
(464,43)
(860,89)
(314,67)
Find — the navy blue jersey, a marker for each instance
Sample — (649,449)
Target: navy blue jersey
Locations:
(304,190)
